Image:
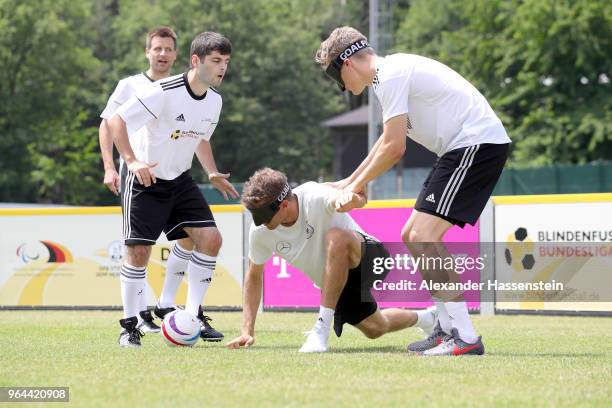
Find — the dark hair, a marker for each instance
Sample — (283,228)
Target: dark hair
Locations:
(164,32)
(205,43)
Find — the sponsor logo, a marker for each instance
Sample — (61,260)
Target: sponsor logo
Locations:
(192,134)
(180,118)
(431,198)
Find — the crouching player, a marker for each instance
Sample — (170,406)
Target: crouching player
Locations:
(309,228)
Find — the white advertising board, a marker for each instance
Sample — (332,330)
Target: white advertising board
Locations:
(568,243)
(71,257)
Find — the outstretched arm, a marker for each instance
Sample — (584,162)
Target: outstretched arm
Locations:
(253,283)
(390,149)
(345,182)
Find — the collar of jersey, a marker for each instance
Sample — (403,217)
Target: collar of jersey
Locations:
(194,96)
(148,77)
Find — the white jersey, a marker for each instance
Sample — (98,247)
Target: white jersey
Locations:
(170,121)
(445,112)
(303,243)
(126,88)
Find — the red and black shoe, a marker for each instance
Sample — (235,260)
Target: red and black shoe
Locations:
(452,345)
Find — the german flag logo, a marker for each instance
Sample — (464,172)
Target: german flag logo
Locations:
(56,253)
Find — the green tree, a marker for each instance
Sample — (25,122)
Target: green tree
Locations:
(47,86)
(62,59)
(274,95)
(543,64)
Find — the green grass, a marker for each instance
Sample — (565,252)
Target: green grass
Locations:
(530,361)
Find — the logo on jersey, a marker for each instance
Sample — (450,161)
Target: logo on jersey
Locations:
(431,198)
(283,247)
(177,134)
(376,81)
(180,118)
(309,230)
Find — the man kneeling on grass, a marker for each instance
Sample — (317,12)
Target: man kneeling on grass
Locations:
(303,227)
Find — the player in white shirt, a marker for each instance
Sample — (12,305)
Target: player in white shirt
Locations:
(304,227)
(427,101)
(160,50)
(169,121)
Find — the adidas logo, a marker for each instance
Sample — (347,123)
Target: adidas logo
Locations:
(180,118)
(431,198)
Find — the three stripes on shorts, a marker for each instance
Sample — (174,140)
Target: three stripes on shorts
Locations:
(454,183)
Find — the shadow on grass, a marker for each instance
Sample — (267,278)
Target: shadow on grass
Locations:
(401,350)
(333,350)
(545,354)
(256,347)
(375,349)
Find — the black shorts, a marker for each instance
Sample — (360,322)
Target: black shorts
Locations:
(356,301)
(167,205)
(461,182)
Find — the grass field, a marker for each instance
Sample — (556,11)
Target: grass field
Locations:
(530,361)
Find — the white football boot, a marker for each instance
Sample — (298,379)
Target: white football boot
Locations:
(316,342)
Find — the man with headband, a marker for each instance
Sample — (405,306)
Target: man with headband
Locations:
(427,101)
(304,226)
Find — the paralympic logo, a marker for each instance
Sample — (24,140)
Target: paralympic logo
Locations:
(50,252)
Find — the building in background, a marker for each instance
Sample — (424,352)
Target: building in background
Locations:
(350,133)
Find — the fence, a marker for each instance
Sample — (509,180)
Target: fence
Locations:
(559,179)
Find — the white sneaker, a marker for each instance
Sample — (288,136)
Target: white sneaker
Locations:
(429,329)
(316,341)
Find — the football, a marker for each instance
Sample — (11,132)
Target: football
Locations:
(180,328)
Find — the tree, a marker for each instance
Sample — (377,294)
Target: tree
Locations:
(46,85)
(543,64)
(63,58)
(274,95)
